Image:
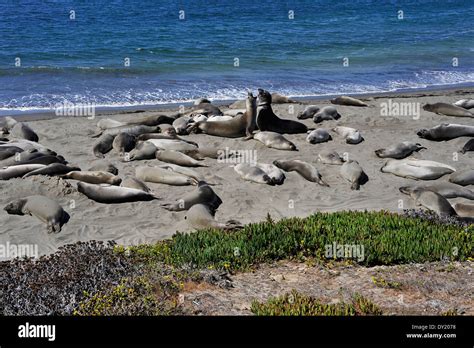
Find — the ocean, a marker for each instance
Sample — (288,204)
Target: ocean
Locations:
(125,53)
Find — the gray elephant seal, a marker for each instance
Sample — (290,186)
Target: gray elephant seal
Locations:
(317,136)
(113,194)
(18,171)
(201,100)
(351,135)
(102,166)
(463,177)
(281,99)
(445,189)
(107,123)
(176,157)
(464,210)
(465,103)
(253,173)
(447,109)
(9,151)
(94,177)
(183,170)
(353,172)
(349,101)
(103,145)
(23,131)
(206,109)
(203,194)
(52,170)
(400,150)
(153,120)
(143,150)
(276,174)
(124,142)
(308,112)
(20,158)
(200,216)
(432,201)
(327,113)
(412,168)
(275,141)
(181,124)
(268,121)
(47,159)
(131,129)
(163,176)
(469,146)
(330,157)
(169,134)
(446,131)
(304,169)
(135,184)
(41,207)
(250,115)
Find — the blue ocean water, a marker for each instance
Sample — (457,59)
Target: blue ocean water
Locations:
(82,60)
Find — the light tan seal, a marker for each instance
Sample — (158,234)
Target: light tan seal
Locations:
(348,101)
(203,194)
(432,201)
(200,216)
(447,109)
(94,177)
(176,157)
(304,169)
(400,150)
(353,172)
(163,176)
(109,194)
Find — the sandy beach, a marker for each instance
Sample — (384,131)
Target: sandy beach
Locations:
(247,202)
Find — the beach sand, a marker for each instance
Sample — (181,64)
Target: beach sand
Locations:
(145,222)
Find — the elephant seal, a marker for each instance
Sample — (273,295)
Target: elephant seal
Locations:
(330,157)
(124,142)
(276,174)
(9,151)
(41,207)
(143,150)
(200,216)
(23,131)
(464,210)
(134,183)
(182,170)
(153,120)
(203,194)
(131,129)
(465,103)
(163,176)
(18,171)
(221,118)
(169,133)
(176,157)
(253,173)
(103,145)
(469,146)
(206,109)
(432,201)
(349,101)
(93,177)
(447,109)
(317,136)
(201,118)
(250,115)
(417,169)
(446,131)
(353,172)
(268,121)
(351,135)
(172,144)
(304,169)
(308,112)
(463,177)
(52,170)
(20,158)
(201,100)
(281,99)
(107,123)
(102,166)
(181,124)
(275,141)
(46,159)
(400,150)
(105,193)
(445,189)
(327,113)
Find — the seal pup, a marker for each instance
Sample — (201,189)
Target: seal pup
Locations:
(41,207)
(253,173)
(446,131)
(106,193)
(143,150)
(52,169)
(317,136)
(93,177)
(163,176)
(107,123)
(469,146)
(432,201)
(349,101)
(445,189)
(308,112)
(200,216)
(463,177)
(124,142)
(465,103)
(268,121)
(351,135)
(464,210)
(276,175)
(103,166)
(416,169)
(353,172)
(447,110)
(203,194)
(11,172)
(178,158)
(134,183)
(330,157)
(400,150)
(327,113)
(275,141)
(103,145)
(304,169)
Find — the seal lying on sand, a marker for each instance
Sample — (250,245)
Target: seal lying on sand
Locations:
(349,101)
(353,172)
(153,120)
(317,136)
(351,135)
(18,171)
(103,166)
(163,176)
(447,109)
(308,112)
(327,113)
(52,170)
(253,173)
(103,145)
(465,103)
(275,141)
(445,189)
(203,194)
(463,177)
(178,158)
(400,150)
(131,129)
(23,131)
(446,131)
(105,193)
(143,150)
(93,177)
(134,183)
(330,157)
(304,169)
(124,142)
(43,208)
(200,216)
(268,121)
(417,169)
(276,175)
(107,123)
(464,210)
(431,200)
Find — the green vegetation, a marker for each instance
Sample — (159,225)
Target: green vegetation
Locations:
(383,283)
(387,239)
(296,304)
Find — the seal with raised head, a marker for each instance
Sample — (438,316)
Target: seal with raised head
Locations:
(308,112)
(41,207)
(400,150)
(351,135)
(432,201)
(52,170)
(465,103)
(463,177)
(327,113)
(253,173)
(275,141)
(330,157)
(268,121)
(105,193)
(124,142)
(349,101)
(200,216)
(179,158)
(306,170)
(446,131)
(447,110)
(203,194)
(93,177)
(412,168)
(445,189)
(103,145)
(353,172)
(317,136)
(163,176)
